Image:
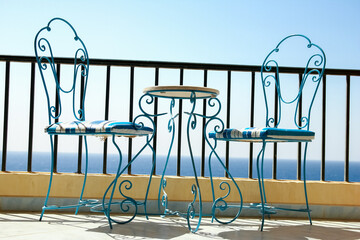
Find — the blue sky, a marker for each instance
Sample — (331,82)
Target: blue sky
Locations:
(208,31)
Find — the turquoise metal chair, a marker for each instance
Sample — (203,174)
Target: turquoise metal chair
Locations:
(272,132)
(78,126)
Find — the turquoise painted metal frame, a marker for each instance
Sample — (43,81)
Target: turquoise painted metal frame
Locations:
(195,189)
(45,60)
(313,73)
(193,210)
(220,203)
(270,73)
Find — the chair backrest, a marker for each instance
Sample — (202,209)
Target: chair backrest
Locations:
(50,74)
(314,66)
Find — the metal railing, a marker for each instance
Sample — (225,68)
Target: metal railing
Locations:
(181,66)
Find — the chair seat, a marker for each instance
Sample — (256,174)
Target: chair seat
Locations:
(268,134)
(99,128)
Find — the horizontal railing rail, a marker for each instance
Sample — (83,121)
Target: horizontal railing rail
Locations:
(181,66)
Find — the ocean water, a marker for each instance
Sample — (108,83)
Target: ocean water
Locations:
(286,169)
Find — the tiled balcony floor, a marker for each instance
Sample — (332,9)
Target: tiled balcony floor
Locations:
(69,226)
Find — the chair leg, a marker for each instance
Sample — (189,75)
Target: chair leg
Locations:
(124,204)
(85,177)
(129,184)
(261,183)
(147,193)
(150,178)
(305,190)
(223,185)
(80,202)
(51,177)
(107,210)
(262,175)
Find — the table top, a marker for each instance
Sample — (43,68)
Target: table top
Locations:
(181,92)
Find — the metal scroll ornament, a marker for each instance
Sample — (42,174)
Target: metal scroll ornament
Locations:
(313,72)
(46,63)
(220,203)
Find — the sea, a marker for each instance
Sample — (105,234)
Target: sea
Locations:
(238,167)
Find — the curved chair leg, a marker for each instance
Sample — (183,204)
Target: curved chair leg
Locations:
(305,191)
(151,174)
(129,184)
(262,174)
(113,184)
(223,186)
(85,177)
(124,204)
(51,177)
(261,182)
(147,193)
(80,202)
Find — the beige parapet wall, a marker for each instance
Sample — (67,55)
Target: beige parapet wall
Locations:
(22,184)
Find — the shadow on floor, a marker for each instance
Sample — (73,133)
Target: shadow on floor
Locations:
(63,226)
(302,232)
(144,229)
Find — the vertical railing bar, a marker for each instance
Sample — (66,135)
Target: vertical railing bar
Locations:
(31,117)
(106,117)
(155,118)
(203,130)
(131,113)
(323,126)
(82,86)
(276,117)
(6,115)
(252,115)
(79,155)
(347,137)
(228,100)
(178,163)
(56,137)
(299,122)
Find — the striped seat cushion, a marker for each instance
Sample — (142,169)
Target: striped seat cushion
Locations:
(258,134)
(102,128)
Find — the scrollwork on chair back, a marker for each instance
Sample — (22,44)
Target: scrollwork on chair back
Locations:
(47,67)
(270,74)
